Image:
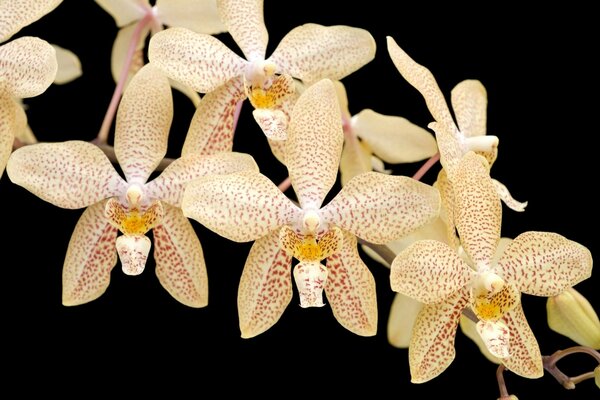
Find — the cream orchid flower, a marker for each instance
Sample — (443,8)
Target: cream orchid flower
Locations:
(77,174)
(248,206)
(308,53)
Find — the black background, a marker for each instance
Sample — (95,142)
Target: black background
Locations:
(539,70)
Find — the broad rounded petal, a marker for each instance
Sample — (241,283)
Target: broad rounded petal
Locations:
(245,22)
(213,124)
(125,11)
(180,266)
(121,48)
(429,271)
(301,52)
(431,348)
(9,123)
(469,328)
(265,286)
(477,209)
(469,102)
(525,358)
(27,66)
(91,256)
(170,184)
(73,174)
(273,123)
(69,66)
(394,139)
(403,315)
(143,123)
(200,16)
(545,263)
(350,289)
(314,143)
(243,206)
(507,198)
(380,208)
(355,159)
(199,61)
(17,14)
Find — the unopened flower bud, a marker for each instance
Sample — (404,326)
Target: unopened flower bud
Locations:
(571,315)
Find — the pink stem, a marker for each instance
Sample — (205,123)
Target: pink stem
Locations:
(285,184)
(236,113)
(425,167)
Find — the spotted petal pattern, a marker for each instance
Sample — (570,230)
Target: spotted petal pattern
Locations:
(469,102)
(16,14)
(525,358)
(8,125)
(245,22)
(198,15)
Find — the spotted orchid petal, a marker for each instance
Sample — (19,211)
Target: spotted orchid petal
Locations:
(69,66)
(310,278)
(91,256)
(245,21)
(447,208)
(314,143)
(242,206)
(73,174)
(170,184)
(431,348)
(133,253)
(200,16)
(273,123)
(213,124)
(199,61)
(469,328)
(355,158)
(265,286)
(278,149)
(380,208)
(394,139)
(180,266)
(350,289)
(402,318)
(544,263)
(525,358)
(495,336)
(469,102)
(429,271)
(17,14)
(143,123)
(120,49)
(300,52)
(8,125)
(125,11)
(507,198)
(477,209)
(27,66)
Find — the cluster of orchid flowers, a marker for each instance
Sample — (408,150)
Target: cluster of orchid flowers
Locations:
(449,263)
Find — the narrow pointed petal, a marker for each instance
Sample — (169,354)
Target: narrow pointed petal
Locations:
(507,198)
(200,16)
(447,213)
(355,159)
(469,102)
(125,11)
(314,143)
(199,61)
(212,127)
(245,22)
(394,139)
(73,174)
(121,48)
(180,265)
(16,14)
(545,263)
(170,184)
(243,206)
(469,328)
(8,126)
(350,289)
(525,358)
(477,209)
(431,348)
(273,123)
(402,318)
(27,66)
(429,271)
(143,123)
(265,286)
(90,258)
(133,252)
(380,208)
(69,66)
(300,52)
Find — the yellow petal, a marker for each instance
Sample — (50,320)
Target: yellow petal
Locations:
(265,286)
(447,210)
(469,102)
(71,174)
(469,328)
(180,266)
(402,318)
(121,48)
(8,125)
(125,11)
(350,289)
(597,376)
(300,52)
(572,315)
(380,208)
(69,66)
(22,130)
(340,90)
(314,143)
(245,21)
(143,123)
(394,139)
(525,358)
(17,14)
(507,198)
(90,258)
(200,16)
(355,158)
(27,66)
(544,263)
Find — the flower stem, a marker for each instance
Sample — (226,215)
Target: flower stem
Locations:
(426,167)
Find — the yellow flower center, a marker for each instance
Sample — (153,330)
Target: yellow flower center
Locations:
(492,307)
(133,221)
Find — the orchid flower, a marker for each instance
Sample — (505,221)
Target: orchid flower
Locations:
(17,14)
(248,206)
(308,53)
(77,174)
